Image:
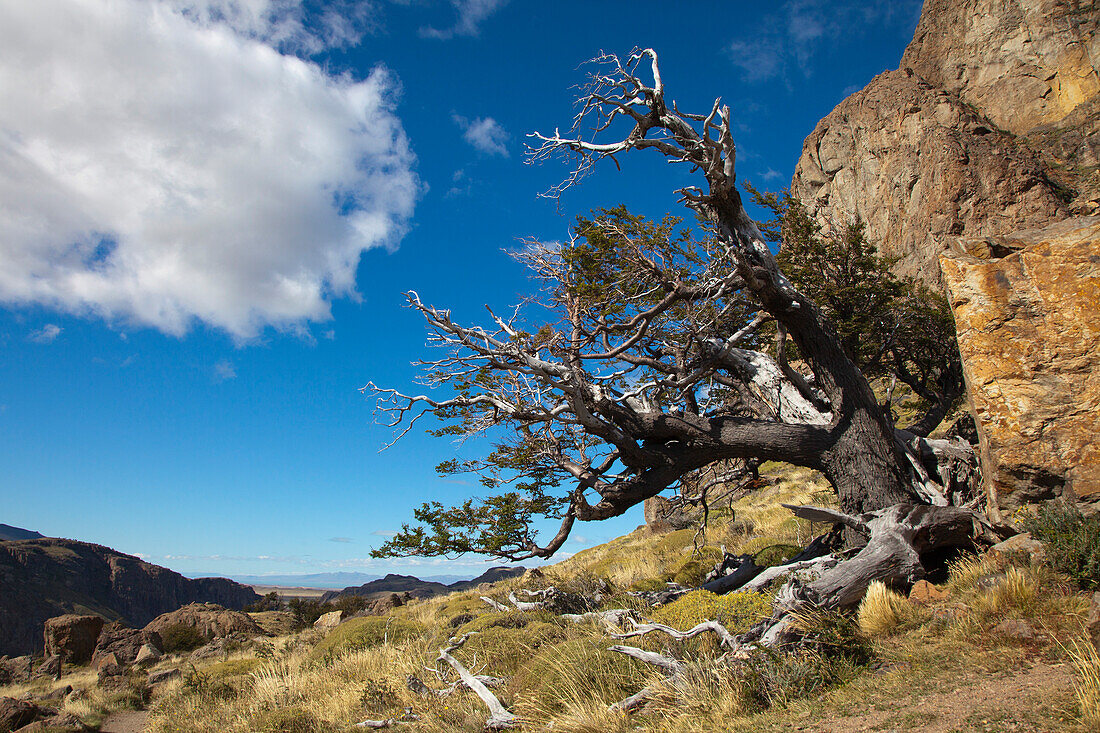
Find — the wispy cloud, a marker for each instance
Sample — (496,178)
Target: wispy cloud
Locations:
(383,533)
(484,133)
(342,540)
(46,334)
(790,39)
(471,13)
(224,371)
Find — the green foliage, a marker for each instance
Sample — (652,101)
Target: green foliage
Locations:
(503,650)
(736,611)
(270,602)
(690,574)
(649,584)
(1073,541)
(365,633)
(232,668)
(888,326)
(775,555)
(206,687)
(181,638)
(833,652)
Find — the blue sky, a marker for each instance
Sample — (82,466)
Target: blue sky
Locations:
(210,209)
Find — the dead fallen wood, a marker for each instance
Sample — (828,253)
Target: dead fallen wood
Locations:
(496,604)
(898,538)
(499,717)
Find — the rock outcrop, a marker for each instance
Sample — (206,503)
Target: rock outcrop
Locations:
(968,164)
(919,167)
(123,642)
(1027,311)
(991,125)
(43,578)
(72,637)
(209,619)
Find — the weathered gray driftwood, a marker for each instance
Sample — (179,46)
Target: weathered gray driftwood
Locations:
(499,717)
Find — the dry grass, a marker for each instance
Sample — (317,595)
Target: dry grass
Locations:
(884,612)
(1086,662)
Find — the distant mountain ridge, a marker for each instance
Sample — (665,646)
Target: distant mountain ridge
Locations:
(394,583)
(8,532)
(42,578)
(335,581)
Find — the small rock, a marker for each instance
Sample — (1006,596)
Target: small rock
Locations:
(328,620)
(155,678)
(106,661)
(1014,628)
(51,667)
(57,695)
(924,593)
(147,656)
(1020,545)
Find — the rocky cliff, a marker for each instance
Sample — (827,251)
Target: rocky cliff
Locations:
(43,578)
(977,164)
(991,125)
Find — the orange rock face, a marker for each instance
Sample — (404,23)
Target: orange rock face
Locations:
(1027,311)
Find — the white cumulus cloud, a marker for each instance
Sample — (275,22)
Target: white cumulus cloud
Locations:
(161,163)
(485,134)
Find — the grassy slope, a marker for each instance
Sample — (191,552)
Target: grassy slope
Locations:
(942,668)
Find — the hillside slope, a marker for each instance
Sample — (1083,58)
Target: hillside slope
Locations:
(43,578)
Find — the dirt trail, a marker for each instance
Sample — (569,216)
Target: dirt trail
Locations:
(125,722)
(995,703)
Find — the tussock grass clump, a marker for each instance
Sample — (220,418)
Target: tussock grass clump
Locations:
(366,633)
(884,612)
(575,675)
(286,720)
(1073,541)
(736,611)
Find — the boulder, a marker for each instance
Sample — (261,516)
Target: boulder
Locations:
(327,621)
(1025,63)
(1027,312)
(124,642)
(164,675)
(15,714)
(990,125)
(72,637)
(107,661)
(222,646)
(50,667)
(147,656)
(58,723)
(19,669)
(210,620)
(385,604)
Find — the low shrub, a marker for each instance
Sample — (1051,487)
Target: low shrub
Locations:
(736,611)
(1073,541)
(501,650)
(776,555)
(233,668)
(648,585)
(207,688)
(365,633)
(181,638)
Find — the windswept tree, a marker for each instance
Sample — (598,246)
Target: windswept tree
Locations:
(658,360)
